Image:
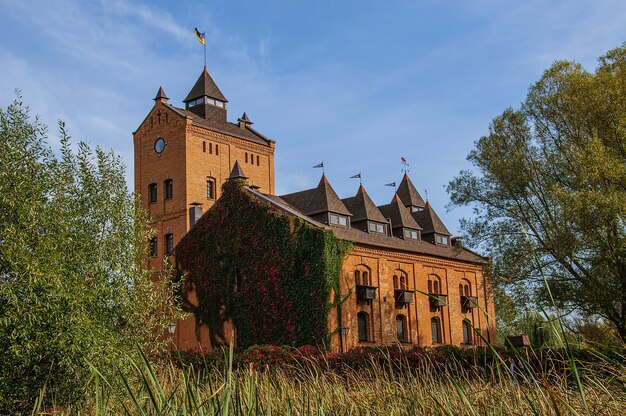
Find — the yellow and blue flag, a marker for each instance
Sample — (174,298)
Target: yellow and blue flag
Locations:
(199,35)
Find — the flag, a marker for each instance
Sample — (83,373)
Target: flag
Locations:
(321,165)
(357,176)
(199,35)
(391,184)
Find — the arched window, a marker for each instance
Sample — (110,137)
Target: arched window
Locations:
(434,284)
(403,282)
(467,332)
(395,282)
(435,328)
(366,279)
(357,277)
(364,326)
(401,328)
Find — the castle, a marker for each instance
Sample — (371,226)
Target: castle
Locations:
(404,279)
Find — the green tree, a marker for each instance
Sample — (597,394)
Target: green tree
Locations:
(549,190)
(73,292)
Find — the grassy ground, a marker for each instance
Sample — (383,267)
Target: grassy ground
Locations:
(312,389)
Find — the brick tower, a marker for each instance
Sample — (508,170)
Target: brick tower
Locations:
(182,158)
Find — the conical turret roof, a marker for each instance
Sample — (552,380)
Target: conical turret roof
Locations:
(237,172)
(161,95)
(399,214)
(430,221)
(408,194)
(318,200)
(205,86)
(362,207)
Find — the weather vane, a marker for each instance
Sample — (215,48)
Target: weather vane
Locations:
(405,165)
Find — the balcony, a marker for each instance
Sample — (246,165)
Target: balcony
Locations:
(366,293)
(437,300)
(469,302)
(403,297)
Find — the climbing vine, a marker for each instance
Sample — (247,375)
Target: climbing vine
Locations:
(270,273)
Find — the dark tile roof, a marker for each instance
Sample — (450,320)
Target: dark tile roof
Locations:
(399,214)
(161,95)
(408,194)
(362,207)
(217,122)
(377,240)
(317,200)
(205,86)
(237,172)
(430,221)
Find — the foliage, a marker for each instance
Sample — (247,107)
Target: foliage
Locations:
(549,184)
(270,273)
(539,387)
(72,292)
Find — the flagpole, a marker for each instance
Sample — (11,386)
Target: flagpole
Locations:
(204,44)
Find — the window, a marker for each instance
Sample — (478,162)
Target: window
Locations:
(152,192)
(257,161)
(377,227)
(411,234)
(366,279)
(401,331)
(211,148)
(154,247)
(169,243)
(416,209)
(435,329)
(338,220)
(217,150)
(169,188)
(400,280)
(204,147)
(357,277)
(364,329)
(210,188)
(441,239)
(465,288)
(195,102)
(434,284)
(362,275)
(467,332)
(238,280)
(246,157)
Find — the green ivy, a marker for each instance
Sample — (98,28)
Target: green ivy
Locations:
(288,270)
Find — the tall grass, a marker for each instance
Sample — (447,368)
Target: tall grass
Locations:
(313,388)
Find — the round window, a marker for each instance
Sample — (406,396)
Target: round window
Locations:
(159,145)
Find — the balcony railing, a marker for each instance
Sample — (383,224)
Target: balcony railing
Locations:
(469,302)
(403,296)
(365,292)
(437,300)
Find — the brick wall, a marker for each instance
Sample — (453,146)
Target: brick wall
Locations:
(383,311)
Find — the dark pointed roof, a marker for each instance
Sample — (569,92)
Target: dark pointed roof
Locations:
(317,200)
(399,214)
(430,221)
(408,194)
(205,86)
(161,95)
(245,118)
(362,207)
(237,172)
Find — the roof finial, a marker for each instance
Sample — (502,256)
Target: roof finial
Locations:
(161,95)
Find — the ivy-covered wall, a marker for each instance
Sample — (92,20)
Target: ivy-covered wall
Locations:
(270,273)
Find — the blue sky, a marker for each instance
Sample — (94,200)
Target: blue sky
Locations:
(356,84)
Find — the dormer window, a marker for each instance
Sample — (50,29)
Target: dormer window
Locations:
(442,240)
(336,219)
(411,234)
(376,227)
(195,102)
(416,209)
(206,100)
